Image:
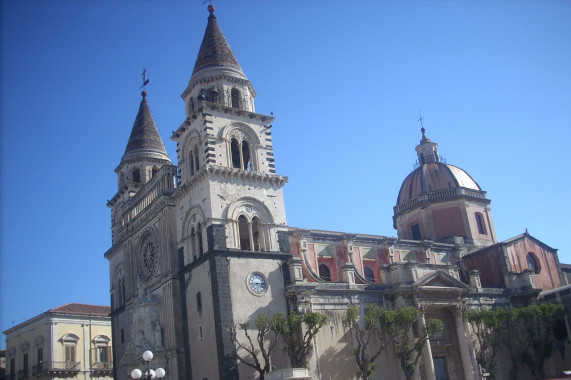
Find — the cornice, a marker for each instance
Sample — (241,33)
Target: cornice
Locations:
(205,106)
(215,78)
(218,171)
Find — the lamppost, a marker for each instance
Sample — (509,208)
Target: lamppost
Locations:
(159,373)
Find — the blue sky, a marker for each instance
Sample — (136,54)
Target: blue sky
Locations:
(345,79)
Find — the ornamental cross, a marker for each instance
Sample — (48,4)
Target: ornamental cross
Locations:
(145,80)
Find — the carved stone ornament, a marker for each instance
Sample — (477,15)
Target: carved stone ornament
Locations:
(237,134)
(146,332)
(230,192)
(148,256)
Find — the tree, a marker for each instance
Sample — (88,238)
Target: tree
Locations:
(297,338)
(525,333)
(364,334)
(537,322)
(487,340)
(255,354)
(397,324)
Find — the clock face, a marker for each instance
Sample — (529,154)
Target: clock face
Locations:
(257,283)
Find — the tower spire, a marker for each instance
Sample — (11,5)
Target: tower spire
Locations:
(214,50)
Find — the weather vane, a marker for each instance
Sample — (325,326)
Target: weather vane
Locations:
(145,80)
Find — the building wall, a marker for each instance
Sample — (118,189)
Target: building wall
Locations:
(548,276)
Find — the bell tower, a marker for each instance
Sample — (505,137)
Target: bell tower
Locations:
(230,195)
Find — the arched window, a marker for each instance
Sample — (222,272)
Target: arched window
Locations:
(369,275)
(235,94)
(324,272)
(480,223)
(213,95)
(193,243)
(136,176)
(246,156)
(533,263)
(241,154)
(69,342)
(244,232)
(102,351)
(199,240)
(235,147)
(196,162)
(256,227)
(191,163)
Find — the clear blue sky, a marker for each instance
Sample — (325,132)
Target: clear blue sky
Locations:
(345,80)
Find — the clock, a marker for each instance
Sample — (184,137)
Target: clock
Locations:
(257,283)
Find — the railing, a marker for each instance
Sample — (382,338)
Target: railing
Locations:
(23,374)
(55,367)
(163,181)
(440,195)
(99,366)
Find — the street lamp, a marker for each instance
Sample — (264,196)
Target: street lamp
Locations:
(159,373)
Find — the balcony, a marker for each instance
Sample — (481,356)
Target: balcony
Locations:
(61,369)
(23,374)
(102,369)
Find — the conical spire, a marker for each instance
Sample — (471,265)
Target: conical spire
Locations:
(145,141)
(214,50)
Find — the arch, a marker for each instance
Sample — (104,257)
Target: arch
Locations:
(244,233)
(136,175)
(533,262)
(154,171)
(369,274)
(246,158)
(236,98)
(101,339)
(258,220)
(192,232)
(212,94)
(235,153)
(324,272)
(189,156)
(480,223)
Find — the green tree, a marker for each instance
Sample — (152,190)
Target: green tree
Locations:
(365,333)
(297,331)
(485,327)
(535,327)
(397,324)
(255,351)
(525,333)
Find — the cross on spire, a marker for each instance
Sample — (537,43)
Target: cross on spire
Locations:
(145,80)
(420,119)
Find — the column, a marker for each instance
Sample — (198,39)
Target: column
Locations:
(463,343)
(426,350)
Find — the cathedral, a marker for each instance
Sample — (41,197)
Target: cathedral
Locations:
(202,245)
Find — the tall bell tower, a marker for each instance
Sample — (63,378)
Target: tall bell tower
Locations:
(227,179)
(231,222)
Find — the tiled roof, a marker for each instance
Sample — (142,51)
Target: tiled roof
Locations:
(80,308)
(145,139)
(214,50)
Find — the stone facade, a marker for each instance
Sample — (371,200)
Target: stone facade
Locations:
(204,245)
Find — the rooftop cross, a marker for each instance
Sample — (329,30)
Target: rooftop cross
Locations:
(420,118)
(145,80)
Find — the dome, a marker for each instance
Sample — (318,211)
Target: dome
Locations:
(434,177)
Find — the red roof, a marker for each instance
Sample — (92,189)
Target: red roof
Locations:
(80,308)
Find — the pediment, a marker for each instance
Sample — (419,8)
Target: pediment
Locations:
(439,279)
